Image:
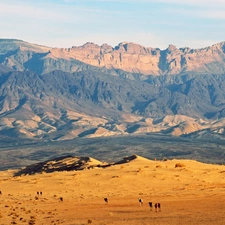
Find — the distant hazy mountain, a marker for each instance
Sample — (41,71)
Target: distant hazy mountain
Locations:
(42,97)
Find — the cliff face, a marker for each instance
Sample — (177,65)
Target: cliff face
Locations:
(150,61)
(129,57)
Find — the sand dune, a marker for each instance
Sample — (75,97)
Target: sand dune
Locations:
(190,192)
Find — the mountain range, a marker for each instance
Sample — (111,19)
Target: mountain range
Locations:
(92,91)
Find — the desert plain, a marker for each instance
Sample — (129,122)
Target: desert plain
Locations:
(189,192)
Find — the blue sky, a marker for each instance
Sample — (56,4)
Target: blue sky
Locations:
(151,23)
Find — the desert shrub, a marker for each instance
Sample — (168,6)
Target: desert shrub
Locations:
(31,222)
(179,165)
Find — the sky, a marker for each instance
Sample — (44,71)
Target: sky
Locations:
(151,23)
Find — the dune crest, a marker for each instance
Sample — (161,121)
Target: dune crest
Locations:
(132,158)
(70,163)
(64,163)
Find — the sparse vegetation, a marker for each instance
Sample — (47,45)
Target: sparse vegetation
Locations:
(179,165)
(89,221)
(170,187)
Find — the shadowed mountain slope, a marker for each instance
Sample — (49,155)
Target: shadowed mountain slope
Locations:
(93,103)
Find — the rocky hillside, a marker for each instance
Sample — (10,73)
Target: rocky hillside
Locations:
(130,57)
(92,103)
(92,91)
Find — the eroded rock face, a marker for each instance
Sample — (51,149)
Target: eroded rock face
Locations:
(126,56)
(132,57)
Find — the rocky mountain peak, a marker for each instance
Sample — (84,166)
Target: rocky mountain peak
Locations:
(131,48)
(171,48)
(88,45)
(105,48)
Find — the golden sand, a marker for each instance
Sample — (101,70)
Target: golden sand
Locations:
(189,192)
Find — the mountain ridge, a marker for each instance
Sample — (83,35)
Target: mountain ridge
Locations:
(127,56)
(59,94)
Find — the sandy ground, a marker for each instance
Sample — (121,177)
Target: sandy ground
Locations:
(193,193)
